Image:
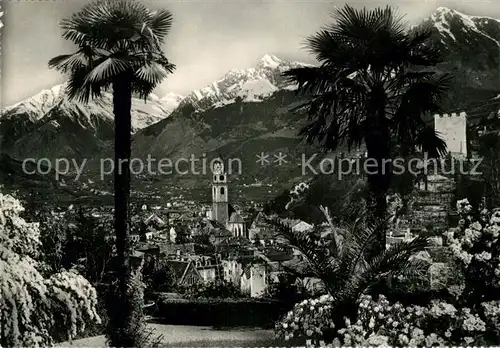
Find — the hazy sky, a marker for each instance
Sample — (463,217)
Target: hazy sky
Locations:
(207,39)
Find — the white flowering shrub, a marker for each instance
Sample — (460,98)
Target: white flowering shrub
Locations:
(471,315)
(464,207)
(309,319)
(297,193)
(492,312)
(37,308)
(475,245)
(378,322)
(436,324)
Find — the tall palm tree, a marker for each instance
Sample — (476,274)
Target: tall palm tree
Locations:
(375,81)
(119,47)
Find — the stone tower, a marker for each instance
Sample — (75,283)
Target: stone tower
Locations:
(220,205)
(452,129)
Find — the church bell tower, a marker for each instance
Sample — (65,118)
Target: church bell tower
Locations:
(220,205)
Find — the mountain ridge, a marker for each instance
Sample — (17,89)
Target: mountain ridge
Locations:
(244,112)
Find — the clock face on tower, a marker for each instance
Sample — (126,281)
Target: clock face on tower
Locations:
(218,168)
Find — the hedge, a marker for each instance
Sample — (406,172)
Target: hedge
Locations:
(221,312)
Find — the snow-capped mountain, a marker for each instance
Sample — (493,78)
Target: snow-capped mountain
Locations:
(36,106)
(171,100)
(472,40)
(445,20)
(246,85)
(40,106)
(48,124)
(252,103)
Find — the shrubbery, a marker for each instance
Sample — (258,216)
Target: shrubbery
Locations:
(475,244)
(37,307)
(378,322)
(158,276)
(286,289)
(214,289)
(220,312)
(468,314)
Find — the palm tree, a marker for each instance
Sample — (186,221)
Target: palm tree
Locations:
(339,259)
(119,47)
(375,81)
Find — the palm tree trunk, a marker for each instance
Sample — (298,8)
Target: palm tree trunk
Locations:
(378,171)
(122,308)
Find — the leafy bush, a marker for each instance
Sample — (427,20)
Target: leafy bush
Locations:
(311,319)
(158,275)
(37,308)
(344,197)
(286,289)
(77,241)
(438,323)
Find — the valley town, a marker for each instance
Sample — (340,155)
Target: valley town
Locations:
(345,193)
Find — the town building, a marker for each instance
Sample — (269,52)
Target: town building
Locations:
(247,273)
(208,268)
(185,272)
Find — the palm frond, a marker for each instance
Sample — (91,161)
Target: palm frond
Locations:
(319,258)
(79,88)
(430,142)
(68,62)
(419,51)
(423,96)
(142,88)
(336,119)
(360,238)
(153,72)
(114,37)
(336,51)
(311,80)
(107,68)
(393,261)
(360,52)
(337,239)
(160,22)
(415,269)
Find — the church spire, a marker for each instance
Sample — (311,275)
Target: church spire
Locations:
(220,205)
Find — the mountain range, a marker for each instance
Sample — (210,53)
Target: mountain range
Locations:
(244,113)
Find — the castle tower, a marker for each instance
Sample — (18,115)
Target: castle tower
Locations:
(220,205)
(452,129)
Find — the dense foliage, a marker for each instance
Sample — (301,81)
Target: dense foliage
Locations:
(77,240)
(339,260)
(158,275)
(379,322)
(286,288)
(37,307)
(469,314)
